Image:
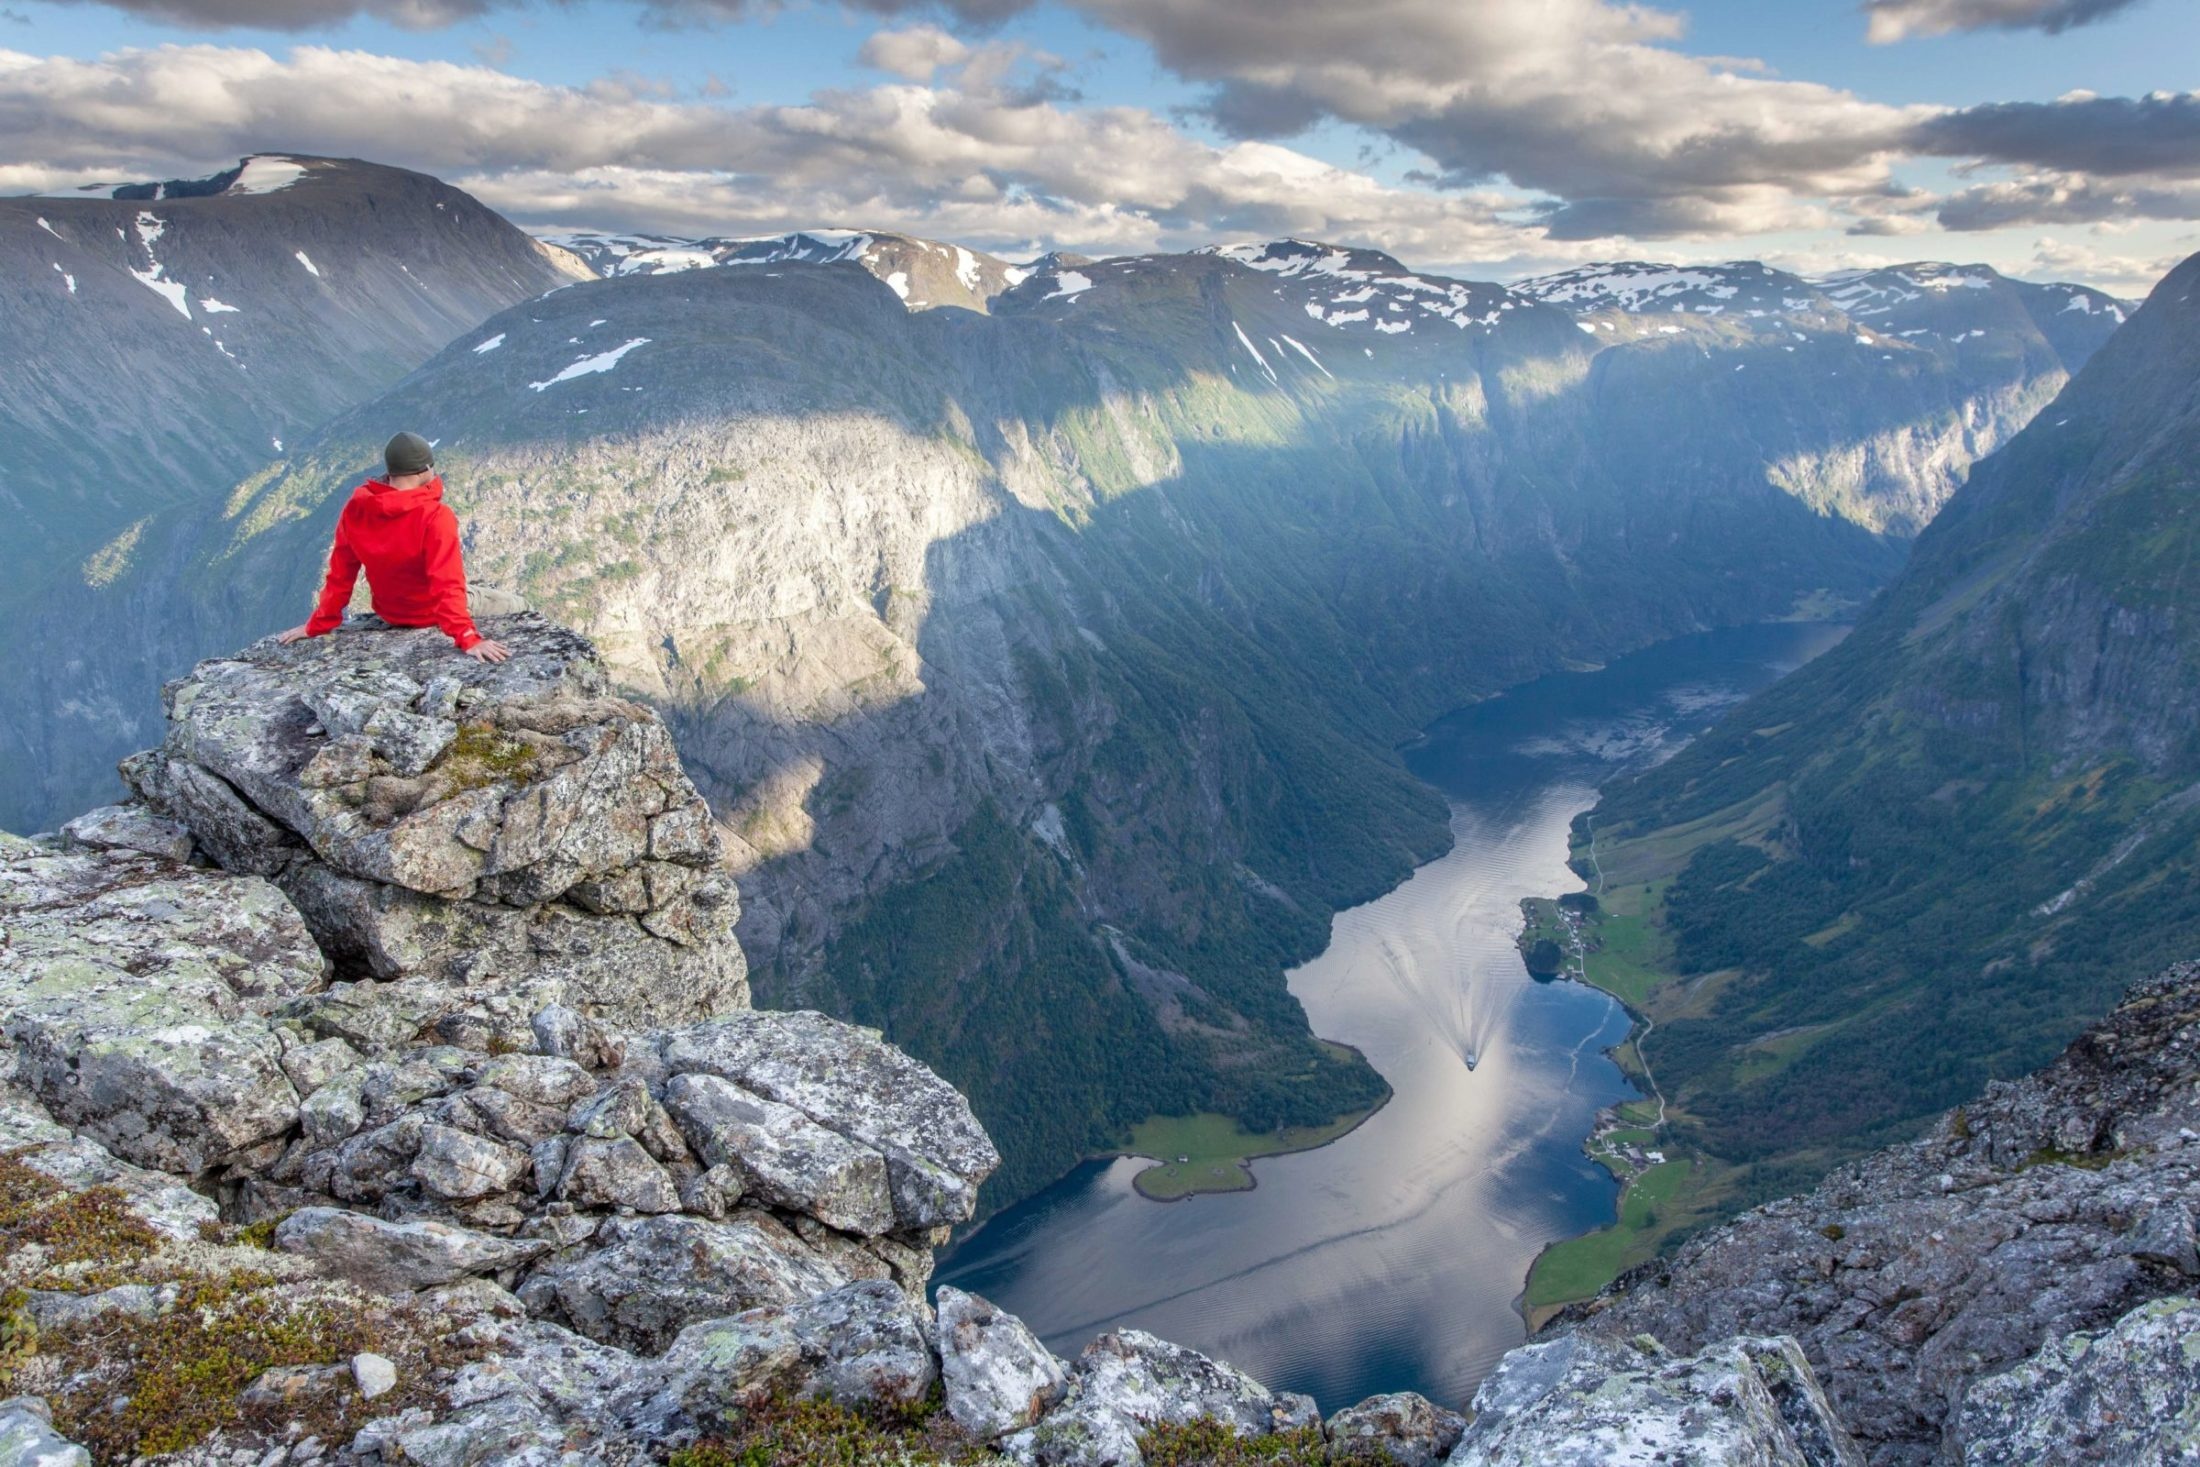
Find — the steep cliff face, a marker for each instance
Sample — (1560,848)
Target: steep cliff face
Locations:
(1959,835)
(1042,666)
(1956,360)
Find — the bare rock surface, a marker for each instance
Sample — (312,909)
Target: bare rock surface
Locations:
(862,1345)
(395,1257)
(638,1282)
(2054,1205)
(508,829)
(1746,1402)
(2129,1393)
(998,1377)
(1128,1380)
(27,1437)
(784,1158)
(135,993)
(129,828)
(1403,1429)
(850,1080)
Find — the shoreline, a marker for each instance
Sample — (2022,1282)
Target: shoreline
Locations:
(1620,1144)
(1245,1162)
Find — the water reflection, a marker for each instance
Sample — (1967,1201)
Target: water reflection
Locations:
(1391,1260)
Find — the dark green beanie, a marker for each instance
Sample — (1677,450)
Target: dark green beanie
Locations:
(408,453)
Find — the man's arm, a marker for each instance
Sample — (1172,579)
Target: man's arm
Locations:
(343,575)
(446,568)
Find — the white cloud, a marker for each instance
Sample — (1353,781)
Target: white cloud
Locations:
(1900,20)
(2131,276)
(975,160)
(1588,101)
(914,54)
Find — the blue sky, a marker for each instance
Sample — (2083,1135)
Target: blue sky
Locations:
(1494,139)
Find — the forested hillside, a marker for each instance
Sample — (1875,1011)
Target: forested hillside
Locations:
(1939,851)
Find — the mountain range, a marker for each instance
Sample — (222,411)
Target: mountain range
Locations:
(1041,635)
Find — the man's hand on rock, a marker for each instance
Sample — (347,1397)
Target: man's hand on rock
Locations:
(295,634)
(482,651)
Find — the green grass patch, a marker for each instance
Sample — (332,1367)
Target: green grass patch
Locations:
(1659,855)
(787,1432)
(1834,931)
(1210,1443)
(1213,1153)
(1660,1202)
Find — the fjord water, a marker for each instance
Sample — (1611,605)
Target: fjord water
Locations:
(1392,1259)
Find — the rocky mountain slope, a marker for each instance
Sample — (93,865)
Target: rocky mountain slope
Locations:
(1951,1293)
(269,1196)
(1044,666)
(1934,855)
(166,340)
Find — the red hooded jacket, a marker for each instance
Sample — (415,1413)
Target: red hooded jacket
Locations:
(407,542)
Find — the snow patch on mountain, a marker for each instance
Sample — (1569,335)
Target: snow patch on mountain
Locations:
(311,268)
(587,366)
(1309,355)
(1247,342)
(1070,284)
(154,277)
(1347,282)
(267,174)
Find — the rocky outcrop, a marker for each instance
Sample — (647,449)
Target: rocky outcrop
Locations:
(2130,1393)
(2046,1212)
(1401,1429)
(410,1012)
(504,837)
(1746,1400)
(998,1378)
(136,995)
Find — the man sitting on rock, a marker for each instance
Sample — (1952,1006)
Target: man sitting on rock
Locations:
(400,532)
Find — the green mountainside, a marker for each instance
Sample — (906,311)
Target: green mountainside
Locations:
(1938,852)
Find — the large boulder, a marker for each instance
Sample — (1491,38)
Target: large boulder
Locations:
(637,1282)
(397,1257)
(861,1346)
(998,1377)
(1128,1380)
(136,994)
(2129,1393)
(851,1081)
(784,1158)
(1398,1430)
(1742,1403)
(506,827)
